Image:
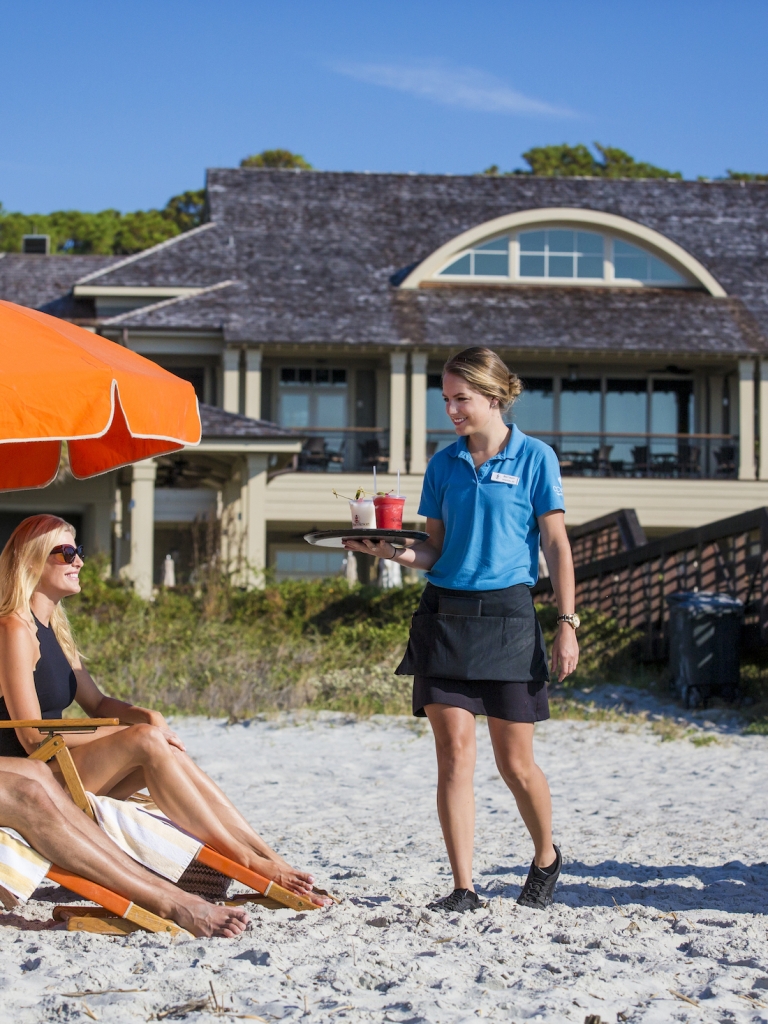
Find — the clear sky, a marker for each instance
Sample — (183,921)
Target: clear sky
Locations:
(125,102)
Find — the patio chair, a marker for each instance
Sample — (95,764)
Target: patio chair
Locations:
(371,453)
(314,454)
(725,457)
(640,460)
(54,746)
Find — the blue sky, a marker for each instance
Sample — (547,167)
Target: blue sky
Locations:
(125,102)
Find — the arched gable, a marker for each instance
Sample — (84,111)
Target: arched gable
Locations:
(693,272)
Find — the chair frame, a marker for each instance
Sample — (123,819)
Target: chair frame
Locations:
(55,747)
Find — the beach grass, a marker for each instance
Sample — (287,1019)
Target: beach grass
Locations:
(222,651)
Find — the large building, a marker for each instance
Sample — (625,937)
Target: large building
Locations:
(313,312)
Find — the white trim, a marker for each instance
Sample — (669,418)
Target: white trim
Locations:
(658,244)
(96,291)
(146,252)
(190,293)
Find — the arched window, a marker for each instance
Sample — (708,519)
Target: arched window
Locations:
(562,254)
(562,245)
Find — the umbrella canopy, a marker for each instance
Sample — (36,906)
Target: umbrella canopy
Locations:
(60,382)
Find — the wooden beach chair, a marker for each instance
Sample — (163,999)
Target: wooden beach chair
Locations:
(54,747)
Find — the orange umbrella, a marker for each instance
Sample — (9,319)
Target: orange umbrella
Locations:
(59,382)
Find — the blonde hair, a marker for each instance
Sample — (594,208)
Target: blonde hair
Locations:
(21,565)
(486,373)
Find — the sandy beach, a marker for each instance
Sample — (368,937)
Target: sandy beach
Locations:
(660,914)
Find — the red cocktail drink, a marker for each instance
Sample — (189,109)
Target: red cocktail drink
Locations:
(389,511)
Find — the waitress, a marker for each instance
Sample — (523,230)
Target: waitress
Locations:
(476,646)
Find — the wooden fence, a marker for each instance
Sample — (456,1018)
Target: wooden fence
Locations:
(608,535)
(729,556)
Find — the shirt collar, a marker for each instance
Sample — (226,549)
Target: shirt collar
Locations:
(512,449)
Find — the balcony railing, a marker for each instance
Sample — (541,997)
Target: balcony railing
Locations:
(687,456)
(595,454)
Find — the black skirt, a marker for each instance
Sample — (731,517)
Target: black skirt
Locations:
(494,664)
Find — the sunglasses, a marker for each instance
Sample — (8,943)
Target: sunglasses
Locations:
(68,553)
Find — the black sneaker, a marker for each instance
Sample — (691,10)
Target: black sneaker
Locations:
(540,885)
(457,902)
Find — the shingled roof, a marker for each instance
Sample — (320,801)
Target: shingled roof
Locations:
(312,255)
(218,424)
(45,282)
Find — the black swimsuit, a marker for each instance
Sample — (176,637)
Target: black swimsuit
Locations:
(55,684)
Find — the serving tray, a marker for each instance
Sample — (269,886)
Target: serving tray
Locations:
(335,538)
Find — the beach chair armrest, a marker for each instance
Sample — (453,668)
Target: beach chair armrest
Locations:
(60,724)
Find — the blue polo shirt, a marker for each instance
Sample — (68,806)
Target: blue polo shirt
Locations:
(490,514)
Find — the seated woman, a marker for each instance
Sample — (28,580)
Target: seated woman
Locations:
(41,674)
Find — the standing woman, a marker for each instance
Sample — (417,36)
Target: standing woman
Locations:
(476,646)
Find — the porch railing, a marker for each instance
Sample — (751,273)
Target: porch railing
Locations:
(686,456)
(341,450)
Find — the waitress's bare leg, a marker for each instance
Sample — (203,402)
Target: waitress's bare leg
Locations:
(456,748)
(513,750)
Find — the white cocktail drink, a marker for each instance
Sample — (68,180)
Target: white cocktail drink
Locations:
(363,514)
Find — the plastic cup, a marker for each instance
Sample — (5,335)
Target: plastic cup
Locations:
(363,513)
(389,511)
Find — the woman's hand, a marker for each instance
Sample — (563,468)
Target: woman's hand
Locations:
(160,723)
(565,652)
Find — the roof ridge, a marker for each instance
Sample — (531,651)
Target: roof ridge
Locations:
(167,302)
(147,252)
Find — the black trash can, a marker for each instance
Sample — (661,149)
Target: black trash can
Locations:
(704,642)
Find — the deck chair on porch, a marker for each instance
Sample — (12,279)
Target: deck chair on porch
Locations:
(125,821)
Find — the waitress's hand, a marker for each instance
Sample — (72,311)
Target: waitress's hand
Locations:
(379,548)
(565,652)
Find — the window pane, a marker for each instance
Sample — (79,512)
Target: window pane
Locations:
(580,413)
(534,409)
(625,249)
(331,410)
(626,404)
(632,267)
(590,266)
(322,376)
(305,375)
(437,418)
(587,242)
(531,266)
(661,272)
(287,375)
(496,265)
(560,266)
(294,409)
(338,376)
(533,241)
(459,266)
(497,245)
(560,241)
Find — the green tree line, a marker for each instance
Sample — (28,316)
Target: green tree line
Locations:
(112,232)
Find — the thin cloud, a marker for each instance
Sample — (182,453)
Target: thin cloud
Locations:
(460,87)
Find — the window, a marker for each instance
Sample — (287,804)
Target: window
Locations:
(314,397)
(626,412)
(534,410)
(562,254)
(558,252)
(488,260)
(580,402)
(440,432)
(633,264)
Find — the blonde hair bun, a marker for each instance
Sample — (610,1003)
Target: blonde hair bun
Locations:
(485,372)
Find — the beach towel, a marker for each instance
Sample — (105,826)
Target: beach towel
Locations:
(146,835)
(21,869)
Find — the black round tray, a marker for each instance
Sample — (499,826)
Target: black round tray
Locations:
(334,538)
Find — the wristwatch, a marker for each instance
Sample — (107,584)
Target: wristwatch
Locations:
(572,620)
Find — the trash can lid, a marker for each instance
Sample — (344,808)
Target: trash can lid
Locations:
(705,602)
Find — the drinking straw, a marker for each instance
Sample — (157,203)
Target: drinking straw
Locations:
(398,483)
(374,481)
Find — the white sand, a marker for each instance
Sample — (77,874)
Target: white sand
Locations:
(665,888)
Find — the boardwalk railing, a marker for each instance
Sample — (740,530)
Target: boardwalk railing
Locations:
(729,556)
(609,535)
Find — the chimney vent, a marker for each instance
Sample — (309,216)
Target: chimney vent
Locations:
(37,245)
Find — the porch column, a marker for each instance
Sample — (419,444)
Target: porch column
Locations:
(763,410)
(715,420)
(397,412)
(143,527)
(746,419)
(230,362)
(255,487)
(253,383)
(418,463)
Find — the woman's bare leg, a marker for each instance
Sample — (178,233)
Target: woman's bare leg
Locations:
(33,804)
(513,750)
(455,745)
(104,763)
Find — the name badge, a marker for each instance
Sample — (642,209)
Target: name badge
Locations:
(504,478)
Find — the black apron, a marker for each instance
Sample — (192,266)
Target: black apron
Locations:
(504,643)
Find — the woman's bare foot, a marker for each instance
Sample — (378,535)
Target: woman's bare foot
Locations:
(207,919)
(299,882)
